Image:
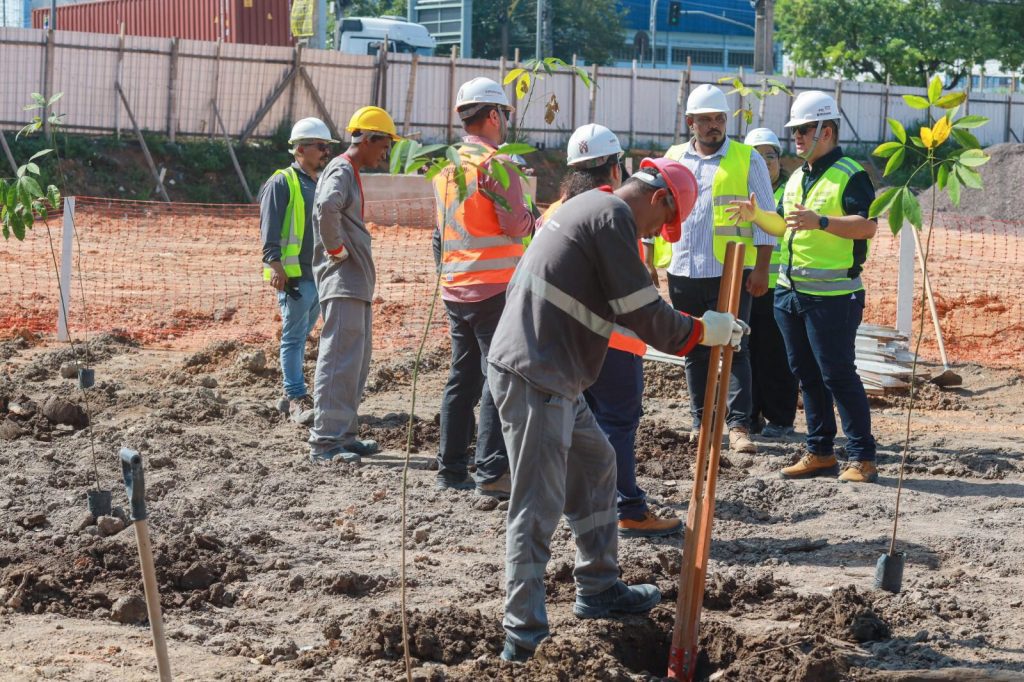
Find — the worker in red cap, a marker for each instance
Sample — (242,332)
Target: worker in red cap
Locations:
(581,279)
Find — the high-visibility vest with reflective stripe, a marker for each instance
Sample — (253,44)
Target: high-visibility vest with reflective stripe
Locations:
(728,184)
(815,261)
(776,261)
(621,338)
(474,249)
(293,227)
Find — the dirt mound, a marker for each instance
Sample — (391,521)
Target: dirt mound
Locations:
(87,574)
(662,380)
(389,376)
(1000,177)
(96,349)
(447,636)
(391,432)
(663,452)
(927,396)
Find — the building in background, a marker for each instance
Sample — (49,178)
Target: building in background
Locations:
(256,22)
(16,13)
(716,36)
(450,22)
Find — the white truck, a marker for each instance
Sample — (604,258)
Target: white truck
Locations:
(365,35)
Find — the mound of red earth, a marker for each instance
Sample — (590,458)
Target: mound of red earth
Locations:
(1001,183)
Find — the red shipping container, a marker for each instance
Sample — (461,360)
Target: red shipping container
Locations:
(256,22)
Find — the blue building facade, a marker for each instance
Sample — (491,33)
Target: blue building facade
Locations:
(717,35)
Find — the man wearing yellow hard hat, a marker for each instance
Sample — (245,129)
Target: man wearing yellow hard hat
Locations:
(345,279)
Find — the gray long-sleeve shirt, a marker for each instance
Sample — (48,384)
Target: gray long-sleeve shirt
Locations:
(337,221)
(273,198)
(580,279)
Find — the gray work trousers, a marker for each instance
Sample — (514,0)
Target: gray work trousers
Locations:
(561,463)
(342,365)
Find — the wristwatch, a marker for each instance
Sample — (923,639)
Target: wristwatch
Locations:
(823,222)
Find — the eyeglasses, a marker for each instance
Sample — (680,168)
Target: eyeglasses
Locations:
(322,146)
(805,128)
(378,137)
(770,156)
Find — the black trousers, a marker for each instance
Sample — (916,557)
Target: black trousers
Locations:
(775,387)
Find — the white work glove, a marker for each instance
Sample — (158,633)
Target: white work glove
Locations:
(339,257)
(721,329)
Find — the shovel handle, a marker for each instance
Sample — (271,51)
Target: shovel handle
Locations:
(134,482)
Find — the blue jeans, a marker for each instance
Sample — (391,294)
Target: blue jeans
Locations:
(616,399)
(820,334)
(298,317)
(472,326)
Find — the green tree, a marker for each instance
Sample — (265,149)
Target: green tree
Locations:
(590,29)
(906,39)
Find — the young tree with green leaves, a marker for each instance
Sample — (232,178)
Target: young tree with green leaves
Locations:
(22,199)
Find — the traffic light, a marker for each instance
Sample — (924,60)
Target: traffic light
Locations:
(675,9)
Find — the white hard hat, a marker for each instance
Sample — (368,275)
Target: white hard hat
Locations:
(812,106)
(760,136)
(706,99)
(481,90)
(310,129)
(592,142)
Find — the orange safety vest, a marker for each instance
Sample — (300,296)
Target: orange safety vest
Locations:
(624,340)
(474,249)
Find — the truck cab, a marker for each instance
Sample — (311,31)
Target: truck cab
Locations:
(365,35)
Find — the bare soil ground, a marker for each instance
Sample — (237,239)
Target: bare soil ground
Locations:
(272,568)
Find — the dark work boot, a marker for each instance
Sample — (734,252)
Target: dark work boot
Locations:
(619,598)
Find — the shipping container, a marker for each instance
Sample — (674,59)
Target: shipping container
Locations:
(256,22)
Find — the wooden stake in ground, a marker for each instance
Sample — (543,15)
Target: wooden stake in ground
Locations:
(682,662)
(134,484)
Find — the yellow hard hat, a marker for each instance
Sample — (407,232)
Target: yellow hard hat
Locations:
(375,120)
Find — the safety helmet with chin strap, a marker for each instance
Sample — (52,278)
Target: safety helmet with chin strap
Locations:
(813,106)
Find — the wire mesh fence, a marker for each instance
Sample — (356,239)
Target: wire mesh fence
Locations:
(184,275)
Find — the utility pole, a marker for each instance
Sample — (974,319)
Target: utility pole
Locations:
(538,49)
(53,15)
(764,40)
(654,31)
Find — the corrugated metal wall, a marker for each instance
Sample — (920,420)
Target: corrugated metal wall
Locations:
(639,106)
(257,22)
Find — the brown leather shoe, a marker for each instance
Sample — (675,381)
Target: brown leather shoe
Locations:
(811,465)
(650,526)
(500,489)
(739,441)
(860,472)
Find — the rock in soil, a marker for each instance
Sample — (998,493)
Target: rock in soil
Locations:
(60,411)
(129,609)
(109,525)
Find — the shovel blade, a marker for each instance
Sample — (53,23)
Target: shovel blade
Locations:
(889,572)
(947,378)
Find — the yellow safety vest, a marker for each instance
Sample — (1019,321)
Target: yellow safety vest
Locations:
(815,261)
(776,261)
(292,228)
(728,184)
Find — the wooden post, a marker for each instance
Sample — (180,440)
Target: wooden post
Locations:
(118,77)
(689,89)
(905,282)
(789,106)
(296,63)
(234,159)
(48,79)
(384,75)
(514,121)
(325,114)
(8,154)
(740,119)
(593,93)
(677,122)
(632,104)
(172,87)
(1009,112)
(142,143)
(216,90)
(572,98)
(411,93)
(885,108)
(449,129)
(265,108)
(970,83)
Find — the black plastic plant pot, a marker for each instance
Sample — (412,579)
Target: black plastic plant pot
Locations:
(86,377)
(889,572)
(99,502)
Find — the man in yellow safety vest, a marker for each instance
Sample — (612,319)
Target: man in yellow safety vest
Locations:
(286,202)
(825,229)
(725,170)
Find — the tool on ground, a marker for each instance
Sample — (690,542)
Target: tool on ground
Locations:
(682,663)
(948,376)
(135,486)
